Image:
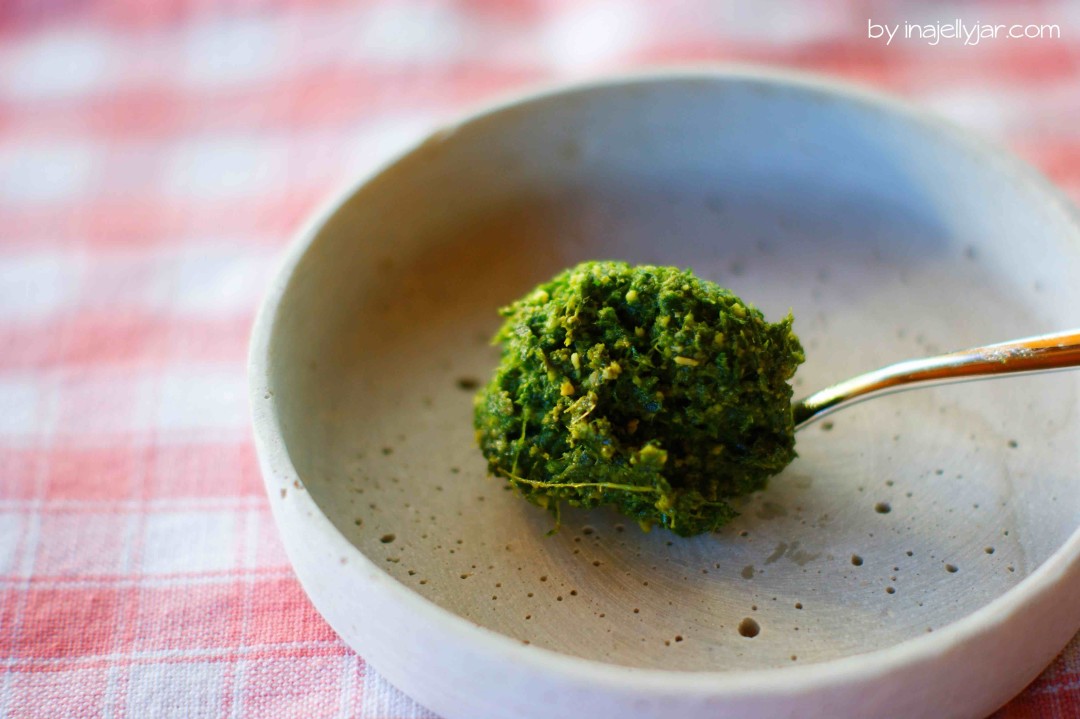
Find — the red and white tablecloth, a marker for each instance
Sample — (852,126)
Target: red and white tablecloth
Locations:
(155,158)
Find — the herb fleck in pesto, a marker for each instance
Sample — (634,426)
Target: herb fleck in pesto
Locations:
(645,388)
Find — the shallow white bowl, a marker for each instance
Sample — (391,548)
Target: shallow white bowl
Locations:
(891,235)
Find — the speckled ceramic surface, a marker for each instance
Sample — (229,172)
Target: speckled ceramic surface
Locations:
(916,534)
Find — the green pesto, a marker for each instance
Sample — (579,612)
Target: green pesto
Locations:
(645,388)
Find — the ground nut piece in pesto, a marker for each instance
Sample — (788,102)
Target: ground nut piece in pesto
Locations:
(645,388)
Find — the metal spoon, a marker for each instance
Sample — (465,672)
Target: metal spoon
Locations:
(1045,353)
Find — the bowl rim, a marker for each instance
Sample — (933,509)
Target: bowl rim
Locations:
(855,668)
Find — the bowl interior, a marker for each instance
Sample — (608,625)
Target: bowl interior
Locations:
(888,236)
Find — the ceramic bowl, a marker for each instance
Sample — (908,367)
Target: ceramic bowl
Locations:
(921,557)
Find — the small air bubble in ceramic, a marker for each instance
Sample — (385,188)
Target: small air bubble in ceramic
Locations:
(749,628)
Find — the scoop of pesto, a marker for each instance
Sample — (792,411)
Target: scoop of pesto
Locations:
(645,388)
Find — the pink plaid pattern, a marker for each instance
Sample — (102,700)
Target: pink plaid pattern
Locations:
(154,159)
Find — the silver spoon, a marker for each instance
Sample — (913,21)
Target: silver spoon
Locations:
(1045,353)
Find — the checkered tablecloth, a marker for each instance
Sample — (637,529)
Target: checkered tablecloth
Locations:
(155,158)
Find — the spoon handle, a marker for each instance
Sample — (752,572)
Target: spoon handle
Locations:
(1033,354)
